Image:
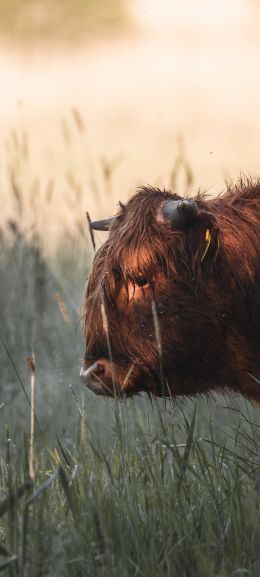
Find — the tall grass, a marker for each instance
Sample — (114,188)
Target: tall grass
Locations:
(120,488)
(161,501)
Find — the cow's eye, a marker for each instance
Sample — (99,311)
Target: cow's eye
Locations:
(141,281)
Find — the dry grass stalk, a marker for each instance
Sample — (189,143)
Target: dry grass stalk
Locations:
(78,119)
(49,190)
(91,232)
(32,367)
(181,163)
(83,427)
(106,331)
(108,168)
(159,345)
(65,132)
(62,307)
(17,193)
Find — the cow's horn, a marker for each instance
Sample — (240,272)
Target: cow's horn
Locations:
(180,212)
(102,224)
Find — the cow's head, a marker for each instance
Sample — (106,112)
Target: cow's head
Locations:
(148,317)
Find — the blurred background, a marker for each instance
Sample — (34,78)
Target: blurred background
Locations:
(99,96)
(96,98)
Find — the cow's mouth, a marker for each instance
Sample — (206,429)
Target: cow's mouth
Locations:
(107,378)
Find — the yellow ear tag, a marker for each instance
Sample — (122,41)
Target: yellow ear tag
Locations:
(208,240)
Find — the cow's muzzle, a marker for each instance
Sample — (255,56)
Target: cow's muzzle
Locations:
(97,377)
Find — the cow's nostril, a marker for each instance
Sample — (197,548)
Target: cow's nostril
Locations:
(94,369)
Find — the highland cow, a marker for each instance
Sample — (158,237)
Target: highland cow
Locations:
(172,305)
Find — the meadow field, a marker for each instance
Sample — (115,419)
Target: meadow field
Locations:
(109,488)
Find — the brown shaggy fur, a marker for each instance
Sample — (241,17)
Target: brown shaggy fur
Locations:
(196,326)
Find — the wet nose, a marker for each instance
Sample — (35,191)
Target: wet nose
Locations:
(93,369)
(98,376)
